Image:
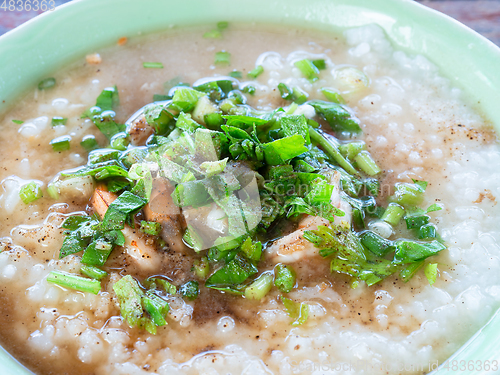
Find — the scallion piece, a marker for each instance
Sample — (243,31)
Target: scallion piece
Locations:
(298,312)
(284,278)
(434,207)
(213,121)
(376,244)
(102,245)
(367,164)
(332,95)
(431,272)
(409,194)
(152,65)
(47,83)
(249,89)
(201,268)
(150,227)
(61,143)
(427,231)
(352,149)
(410,270)
(236,74)
(308,69)
(393,214)
(119,142)
(331,150)
(319,63)
(260,287)
(213,34)
(299,96)
(222,25)
(53,191)
(19,122)
(222,58)
(93,272)
(59,121)
(89,143)
(285,91)
(190,290)
(254,73)
(75,282)
(30,192)
(252,250)
(415,222)
(160,97)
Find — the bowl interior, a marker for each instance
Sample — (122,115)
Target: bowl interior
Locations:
(56,38)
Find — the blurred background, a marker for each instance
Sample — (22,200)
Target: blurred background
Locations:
(480,15)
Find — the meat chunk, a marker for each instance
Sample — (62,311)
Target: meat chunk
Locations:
(140,131)
(144,255)
(294,246)
(162,209)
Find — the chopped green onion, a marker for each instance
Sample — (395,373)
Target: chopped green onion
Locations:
(431,272)
(413,251)
(367,164)
(331,151)
(134,302)
(236,74)
(153,65)
(434,207)
(153,282)
(285,92)
(102,245)
(332,95)
(190,290)
(373,186)
(252,251)
(61,143)
(53,191)
(222,57)
(19,122)
(93,272)
(410,270)
(413,222)
(256,72)
(299,96)
(393,214)
(260,287)
(201,268)
(119,142)
(213,34)
(408,194)
(376,244)
(161,97)
(75,282)
(427,231)
(59,121)
(150,227)
(222,25)
(284,278)
(298,312)
(47,83)
(213,121)
(89,143)
(233,273)
(308,69)
(108,99)
(30,192)
(250,89)
(319,63)
(352,149)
